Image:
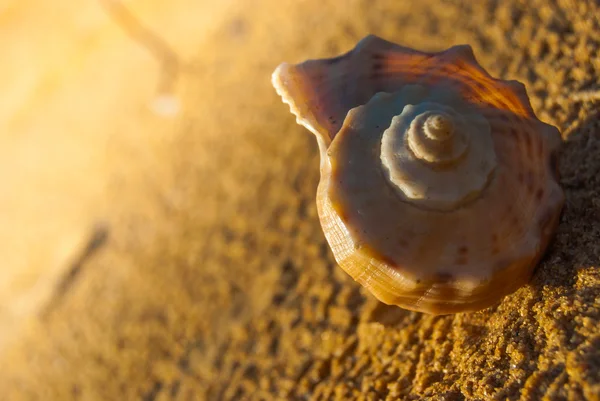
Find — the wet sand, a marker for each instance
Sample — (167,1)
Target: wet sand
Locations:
(183,258)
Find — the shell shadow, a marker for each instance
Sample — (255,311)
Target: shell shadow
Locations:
(390,315)
(395,318)
(573,247)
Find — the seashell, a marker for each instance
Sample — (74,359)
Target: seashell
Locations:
(438,188)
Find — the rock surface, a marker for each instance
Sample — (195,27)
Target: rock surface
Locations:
(192,264)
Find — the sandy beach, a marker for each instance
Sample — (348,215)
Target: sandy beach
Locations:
(159,235)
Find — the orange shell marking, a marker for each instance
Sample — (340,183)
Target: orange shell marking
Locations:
(437,190)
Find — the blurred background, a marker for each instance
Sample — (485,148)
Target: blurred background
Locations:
(90,95)
(158,233)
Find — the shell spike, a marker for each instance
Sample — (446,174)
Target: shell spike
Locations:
(462,52)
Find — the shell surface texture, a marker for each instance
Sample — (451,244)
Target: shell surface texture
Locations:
(438,189)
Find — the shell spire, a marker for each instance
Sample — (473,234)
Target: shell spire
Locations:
(437,188)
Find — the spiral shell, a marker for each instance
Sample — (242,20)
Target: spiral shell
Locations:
(438,187)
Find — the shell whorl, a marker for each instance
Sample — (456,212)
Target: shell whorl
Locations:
(433,138)
(437,156)
(439,127)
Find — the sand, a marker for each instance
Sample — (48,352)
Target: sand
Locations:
(194,266)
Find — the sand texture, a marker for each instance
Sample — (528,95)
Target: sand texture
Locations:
(181,257)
